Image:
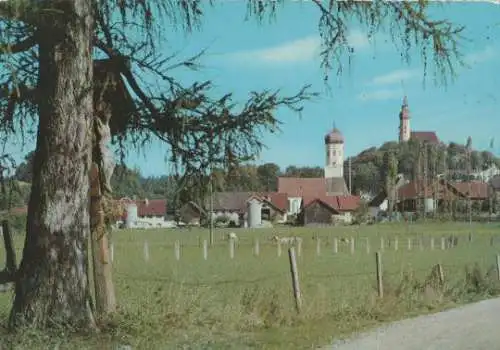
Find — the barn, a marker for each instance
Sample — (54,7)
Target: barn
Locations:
(328,210)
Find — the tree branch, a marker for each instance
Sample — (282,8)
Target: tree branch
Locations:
(20,46)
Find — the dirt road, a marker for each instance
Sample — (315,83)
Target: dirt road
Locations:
(471,327)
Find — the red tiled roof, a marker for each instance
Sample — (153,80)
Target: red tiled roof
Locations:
(237,201)
(428,136)
(414,189)
(150,207)
(300,187)
(478,189)
(338,203)
(279,200)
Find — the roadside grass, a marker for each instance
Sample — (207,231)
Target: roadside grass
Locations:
(246,302)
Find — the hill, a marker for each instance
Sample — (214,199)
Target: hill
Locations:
(416,159)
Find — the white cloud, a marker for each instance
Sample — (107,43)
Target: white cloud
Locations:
(380,95)
(300,50)
(358,39)
(488,53)
(396,77)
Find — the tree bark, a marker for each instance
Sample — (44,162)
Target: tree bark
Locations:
(102,266)
(52,286)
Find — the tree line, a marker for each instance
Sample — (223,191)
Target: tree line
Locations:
(372,170)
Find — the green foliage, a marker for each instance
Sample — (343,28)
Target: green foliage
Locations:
(370,168)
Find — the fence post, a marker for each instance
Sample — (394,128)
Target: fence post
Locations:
(177,250)
(498,266)
(443,243)
(382,244)
(146,251)
(409,243)
(367,245)
(112,252)
(335,245)
(432,243)
(352,245)
(396,243)
(205,249)
(295,279)
(440,273)
(231,248)
(378,261)
(318,246)
(256,247)
(279,249)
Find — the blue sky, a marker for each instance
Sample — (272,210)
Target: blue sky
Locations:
(363,102)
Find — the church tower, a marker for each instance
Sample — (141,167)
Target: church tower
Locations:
(334,144)
(404,122)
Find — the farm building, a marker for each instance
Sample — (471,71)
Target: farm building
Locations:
(144,213)
(328,210)
(432,196)
(234,206)
(296,188)
(380,203)
(191,214)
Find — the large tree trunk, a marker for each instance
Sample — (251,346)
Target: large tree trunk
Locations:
(105,300)
(52,287)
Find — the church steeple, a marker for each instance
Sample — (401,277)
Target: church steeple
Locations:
(404,121)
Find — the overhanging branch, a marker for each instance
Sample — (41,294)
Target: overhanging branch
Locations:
(20,46)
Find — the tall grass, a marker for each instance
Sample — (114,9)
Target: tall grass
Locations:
(246,302)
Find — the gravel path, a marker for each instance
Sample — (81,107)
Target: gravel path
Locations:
(471,327)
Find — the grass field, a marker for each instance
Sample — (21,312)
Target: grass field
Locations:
(247,302)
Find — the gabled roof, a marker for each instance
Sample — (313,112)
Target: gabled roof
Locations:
(237,201)
(151,207)
(378,199)
(278,200)
(336,203)
(477,189)
(424,136)
(148,207)
(230,201)
(311,187)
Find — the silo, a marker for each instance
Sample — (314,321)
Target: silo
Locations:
(254,210)
(131,219)
(429,205)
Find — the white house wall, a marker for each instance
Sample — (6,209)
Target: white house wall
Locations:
(294,204)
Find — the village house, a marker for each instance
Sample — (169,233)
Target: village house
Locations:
(144,213)
(234,206)
(328,210)
(332,184)
(412,194)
